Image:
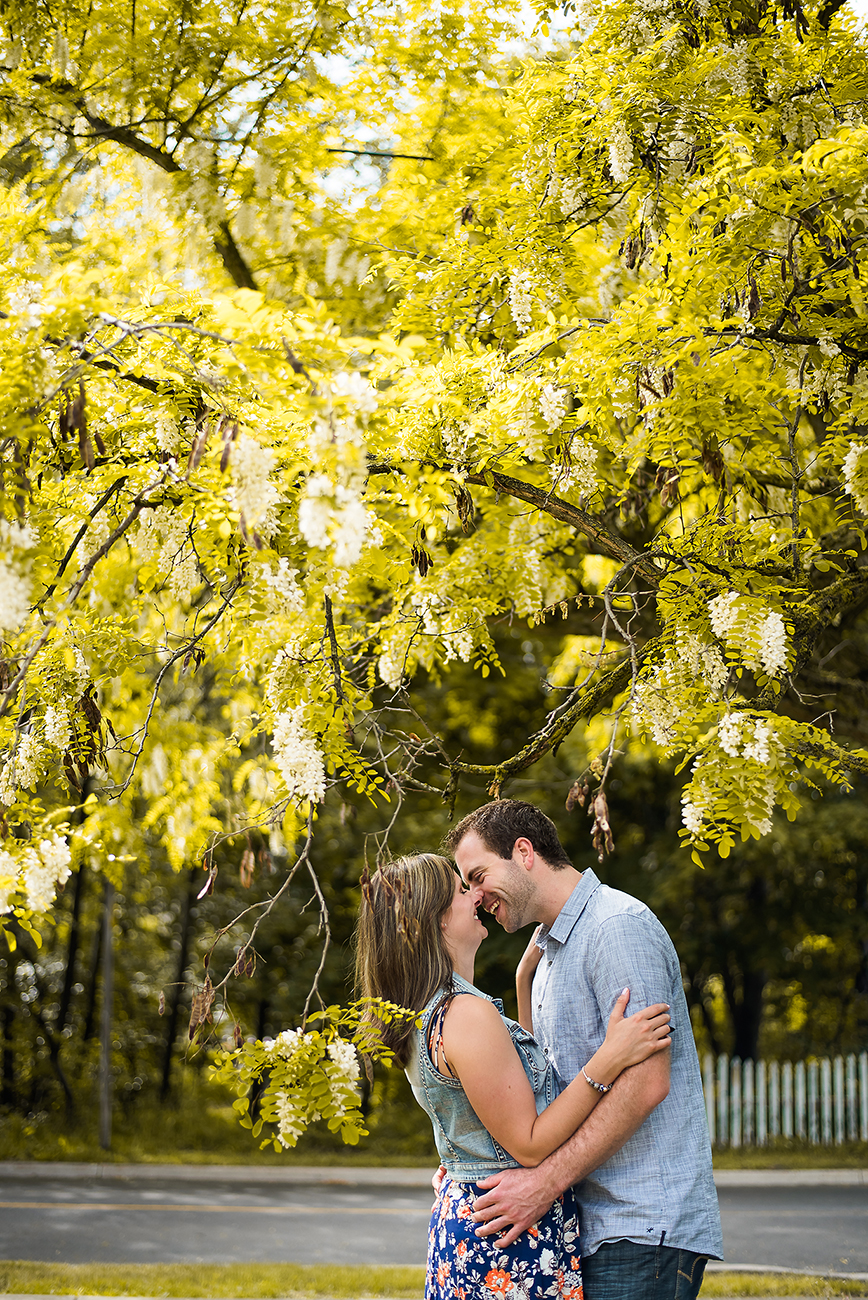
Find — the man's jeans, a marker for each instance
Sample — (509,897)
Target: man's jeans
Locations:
(624,1270)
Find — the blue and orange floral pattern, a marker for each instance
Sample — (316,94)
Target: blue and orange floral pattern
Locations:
(543,1262)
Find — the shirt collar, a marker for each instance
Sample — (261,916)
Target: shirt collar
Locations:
(572,909)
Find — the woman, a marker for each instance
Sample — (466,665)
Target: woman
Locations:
(492,1097)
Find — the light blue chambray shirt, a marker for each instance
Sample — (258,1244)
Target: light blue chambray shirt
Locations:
(659,1186)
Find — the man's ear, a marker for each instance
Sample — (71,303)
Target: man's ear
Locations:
(523,853)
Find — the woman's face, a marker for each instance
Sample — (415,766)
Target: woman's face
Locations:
(462,927)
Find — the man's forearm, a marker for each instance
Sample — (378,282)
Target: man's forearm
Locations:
(609,1126)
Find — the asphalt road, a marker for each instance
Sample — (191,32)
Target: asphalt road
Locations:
(212,1219)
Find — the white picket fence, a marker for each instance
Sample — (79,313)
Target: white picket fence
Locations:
(823,1101)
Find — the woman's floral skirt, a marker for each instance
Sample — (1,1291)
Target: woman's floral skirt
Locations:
(544,1261)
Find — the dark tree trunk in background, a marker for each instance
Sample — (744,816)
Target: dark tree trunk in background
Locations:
(95,963)
(105,1056)
(747,1015)
(7,1026)
(177,990)
(72,951)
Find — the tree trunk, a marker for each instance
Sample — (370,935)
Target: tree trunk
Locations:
(7,1079)
(72,951)
(177,990)
(105,1059)
(747,1015)
(95,963)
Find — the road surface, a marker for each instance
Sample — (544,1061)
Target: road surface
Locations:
(225,1216)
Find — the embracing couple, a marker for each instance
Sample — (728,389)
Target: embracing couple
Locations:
(587,1110)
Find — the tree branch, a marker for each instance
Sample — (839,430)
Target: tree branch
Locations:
(591,699)
(572,515)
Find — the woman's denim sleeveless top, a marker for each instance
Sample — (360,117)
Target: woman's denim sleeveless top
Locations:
(465,1147)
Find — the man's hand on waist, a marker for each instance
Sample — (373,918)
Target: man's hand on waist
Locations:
(513,1201)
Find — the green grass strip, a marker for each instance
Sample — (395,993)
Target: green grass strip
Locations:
(214,1281)
(343,1282)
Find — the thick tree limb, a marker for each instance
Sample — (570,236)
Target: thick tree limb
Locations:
(576,518)
(812,616)
(856,761)
(224,242)
(592,698)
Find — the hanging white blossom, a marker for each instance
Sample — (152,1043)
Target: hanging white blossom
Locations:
(8,881)
(578,471)
(57,728)
(298,756)
(254,494)
(856,474)
(757,634)
(521,300)
(620,154)
(14,575)
(553,405)
(334,513)
(286,596)
(359,392)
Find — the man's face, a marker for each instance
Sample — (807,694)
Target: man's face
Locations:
(507,890)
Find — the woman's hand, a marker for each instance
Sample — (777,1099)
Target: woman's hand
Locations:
(524,973)
(530,959)
(632,1039)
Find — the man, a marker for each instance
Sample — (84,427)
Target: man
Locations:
(649,1209)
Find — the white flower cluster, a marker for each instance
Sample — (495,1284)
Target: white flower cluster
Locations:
(254,494)
(23,304)
(571,195)
(693,813)
(298,756)
(737,69)
(14,578)
(22,768)
(856,474)
(57,728)
(620,154)
(702,659)
(292,1119)
(166,434)
(392,663)
(332,512)
(759,636)
(345,1058)
(286,596)
(579,475)
(35,873)
(443,618)
(553,405)
(287,1042)
(162,537)
(295,1110)
(358,391)
(521,300)
(657,703)
(739,739)
(662,695)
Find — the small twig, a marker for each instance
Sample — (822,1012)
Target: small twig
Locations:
(184,649)
(323,926)
(796,471)
(334,652)
(75,590)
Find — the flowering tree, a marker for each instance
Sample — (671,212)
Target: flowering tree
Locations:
(278,439)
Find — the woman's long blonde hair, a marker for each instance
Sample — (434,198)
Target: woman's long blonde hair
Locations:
(401,953)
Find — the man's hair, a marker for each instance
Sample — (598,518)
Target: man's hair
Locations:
(500,823)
